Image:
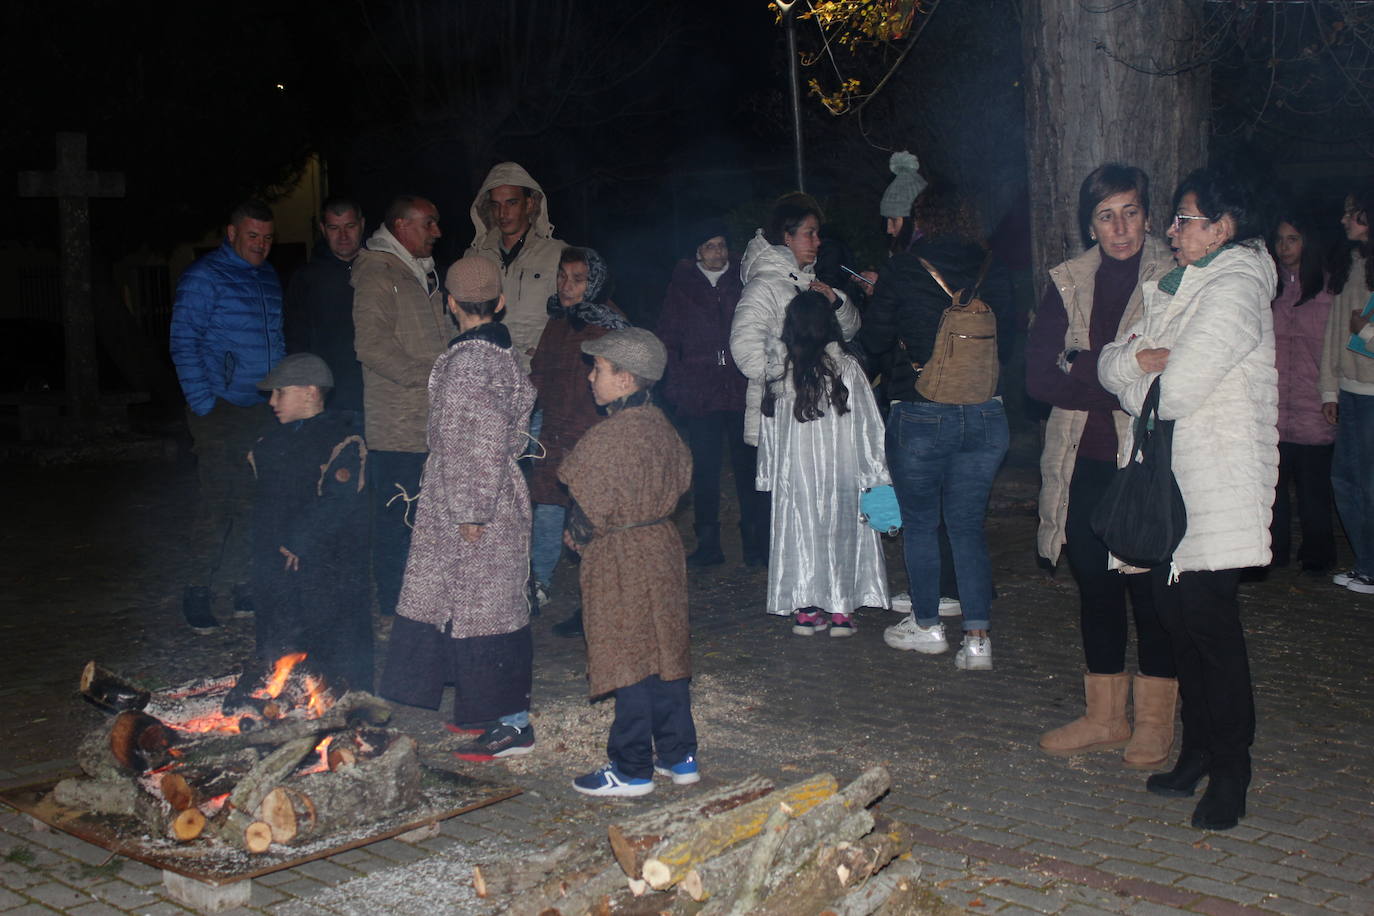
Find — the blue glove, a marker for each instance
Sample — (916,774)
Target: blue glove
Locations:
(880,510)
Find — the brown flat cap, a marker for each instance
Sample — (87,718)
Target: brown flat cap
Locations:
(473,279)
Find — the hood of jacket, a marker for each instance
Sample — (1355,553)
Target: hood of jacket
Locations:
(773,261)
(510,173)
(382,240)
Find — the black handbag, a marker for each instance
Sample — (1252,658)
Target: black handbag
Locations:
(1141,518)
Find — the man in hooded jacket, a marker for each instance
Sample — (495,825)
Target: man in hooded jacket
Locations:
(400,328)
(512,228)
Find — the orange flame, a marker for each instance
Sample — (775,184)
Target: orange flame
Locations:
(280,673)
(322,764)
(214,805)
(315,689)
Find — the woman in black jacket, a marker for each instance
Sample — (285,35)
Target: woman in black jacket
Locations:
(943,457)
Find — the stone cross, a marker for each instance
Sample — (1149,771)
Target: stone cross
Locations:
(74,186)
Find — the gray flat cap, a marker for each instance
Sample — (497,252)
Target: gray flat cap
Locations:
(298,369)
(632,349)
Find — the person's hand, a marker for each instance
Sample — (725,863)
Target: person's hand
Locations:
(470,532)
(1152,360)
(293,562)
(1357,321)
(569,543)
(870,277)
(1331,412)
(819,286)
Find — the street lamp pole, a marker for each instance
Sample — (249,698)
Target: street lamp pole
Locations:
(789,18)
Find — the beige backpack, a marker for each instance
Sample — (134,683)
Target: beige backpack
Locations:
(963,363)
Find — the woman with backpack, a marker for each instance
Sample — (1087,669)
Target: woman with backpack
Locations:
(1089,300)
(943,455)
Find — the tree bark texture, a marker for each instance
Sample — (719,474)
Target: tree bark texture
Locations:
(1109,81)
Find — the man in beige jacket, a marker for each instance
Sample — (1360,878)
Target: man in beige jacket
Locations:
(512,228)
(401,327)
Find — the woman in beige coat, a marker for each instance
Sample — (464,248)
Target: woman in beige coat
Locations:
(1090,300)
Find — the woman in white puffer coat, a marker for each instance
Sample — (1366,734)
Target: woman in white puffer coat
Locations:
(775,268)
(1207,332)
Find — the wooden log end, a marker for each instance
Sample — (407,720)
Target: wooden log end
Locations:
(479,883)
(692,884)
(658,874)
(257,837)
(178,792)
(188,825)
(279,813)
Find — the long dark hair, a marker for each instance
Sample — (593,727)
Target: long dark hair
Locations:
(809,326)
(1312,267)
(1362,203)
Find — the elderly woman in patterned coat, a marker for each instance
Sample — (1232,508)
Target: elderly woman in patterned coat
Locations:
(463,616)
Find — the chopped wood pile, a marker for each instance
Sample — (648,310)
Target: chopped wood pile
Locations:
(276,756)
(745,848)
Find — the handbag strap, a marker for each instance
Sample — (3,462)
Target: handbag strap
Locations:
(1145,423)
(977,284)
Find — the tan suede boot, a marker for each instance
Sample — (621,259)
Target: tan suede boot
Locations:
(1102,727)
(1155,698)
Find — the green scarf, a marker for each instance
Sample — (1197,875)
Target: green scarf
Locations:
(1170,282)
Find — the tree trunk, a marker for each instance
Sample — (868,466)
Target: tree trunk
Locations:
(1128,85)
(634,837)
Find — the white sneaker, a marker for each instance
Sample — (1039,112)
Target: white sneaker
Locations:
(910,635)
(901,603)
(1342,578)
(975,654)
(950,607)
(1362,584)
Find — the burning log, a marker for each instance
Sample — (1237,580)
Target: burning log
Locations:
(352,710)
(178,792)
(140,742)
(108,691)
(342,798)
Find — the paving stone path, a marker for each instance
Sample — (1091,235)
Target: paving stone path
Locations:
(92,560)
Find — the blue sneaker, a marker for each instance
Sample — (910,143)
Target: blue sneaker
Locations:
(609,781)
(683,773)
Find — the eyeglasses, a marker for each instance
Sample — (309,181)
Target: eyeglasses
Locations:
(1180,217)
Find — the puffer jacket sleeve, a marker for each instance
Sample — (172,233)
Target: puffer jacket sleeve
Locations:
(848,316)
(1119,372)
(195,301)
(753,342)
(374,324)
(1223,328)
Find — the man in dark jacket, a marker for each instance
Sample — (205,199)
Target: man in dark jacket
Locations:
(319,302)
(226,335)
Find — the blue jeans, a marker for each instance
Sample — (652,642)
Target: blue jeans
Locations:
(546,540)
(943,458)
(1352,476)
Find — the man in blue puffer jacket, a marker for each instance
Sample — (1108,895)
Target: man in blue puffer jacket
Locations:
(226,336)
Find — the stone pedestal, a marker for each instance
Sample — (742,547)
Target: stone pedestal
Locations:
(206,898)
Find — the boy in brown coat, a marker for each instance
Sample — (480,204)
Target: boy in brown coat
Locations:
(625,477)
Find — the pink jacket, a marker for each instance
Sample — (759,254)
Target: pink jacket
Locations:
(1299,332)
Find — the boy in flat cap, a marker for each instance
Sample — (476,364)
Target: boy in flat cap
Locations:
(310,527)
(463,616)
(625,477)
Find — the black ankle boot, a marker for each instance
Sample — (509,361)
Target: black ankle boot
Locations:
(570,627)
(1180,782)
(1223,804)
(708,551)
(195,605)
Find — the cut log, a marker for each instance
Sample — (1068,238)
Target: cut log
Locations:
(187,825)
(102,796)
(264,777)
(139,741)
(836,870)
(567,864)
(341,757)
(353,709)
(257,838)
(277,812)
(632,838)
(670,861)
(178,792)
(110,692)
(350,796)
(765,848)
(892,881)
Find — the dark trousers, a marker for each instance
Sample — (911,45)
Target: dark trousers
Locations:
(1202,617)
(390,533)
(222,532)
(704,435)
(491,675)
(1102,592)
(651,715)
(1308,469)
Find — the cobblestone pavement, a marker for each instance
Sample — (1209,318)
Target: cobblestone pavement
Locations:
(92,561)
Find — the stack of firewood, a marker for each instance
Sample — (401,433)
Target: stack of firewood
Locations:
(745,848)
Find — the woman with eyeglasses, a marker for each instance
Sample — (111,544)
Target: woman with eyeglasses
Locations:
(1091,299)
(1207,333)
(1347,389)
